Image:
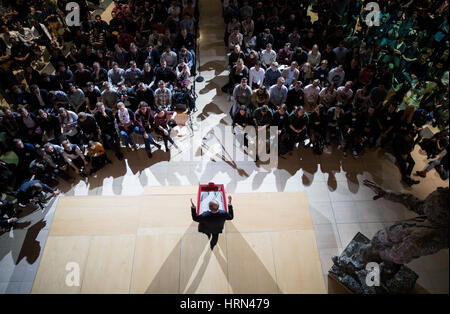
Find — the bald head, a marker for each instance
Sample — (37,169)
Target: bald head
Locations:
(213,206)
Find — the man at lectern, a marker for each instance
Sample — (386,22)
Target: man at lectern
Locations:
(211,222)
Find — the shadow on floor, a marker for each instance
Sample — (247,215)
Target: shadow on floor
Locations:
(188,264)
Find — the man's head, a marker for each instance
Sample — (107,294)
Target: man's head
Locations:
(66,145)
(142,86)
(294,65)
(213,206)
(82,116)
(90,86)
(143,107)
(280,82)
(18,143)
(121,106)
(100,107)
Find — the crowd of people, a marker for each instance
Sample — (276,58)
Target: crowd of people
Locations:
(339,79)
(314,69)
(109,83)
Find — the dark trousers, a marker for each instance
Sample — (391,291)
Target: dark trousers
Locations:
(406,166)
(166,138)
(214,238)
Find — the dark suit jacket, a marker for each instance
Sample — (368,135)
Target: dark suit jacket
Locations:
(212,222)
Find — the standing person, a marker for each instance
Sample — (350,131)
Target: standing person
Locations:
(212,221)
(317,126)
(241,120)
(144,119)
(403,146)
(262,119)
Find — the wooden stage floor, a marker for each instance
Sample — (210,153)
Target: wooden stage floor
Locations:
(149,244)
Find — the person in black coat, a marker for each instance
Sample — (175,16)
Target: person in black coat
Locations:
(50,127)
(105,120)
(88,127)
(39,99)
(211,222)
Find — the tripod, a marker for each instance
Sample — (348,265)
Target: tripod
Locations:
(190,123)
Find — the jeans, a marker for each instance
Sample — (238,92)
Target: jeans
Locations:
(126,135)
(147,141)
(444,174)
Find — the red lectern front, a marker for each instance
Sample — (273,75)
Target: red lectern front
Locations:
(210,192)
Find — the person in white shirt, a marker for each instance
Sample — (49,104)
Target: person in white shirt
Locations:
(256,76)
(337,75)
(25,35)
(314,56)
(268,56)
(291,74)
(345,94)
(328,95)
(311,95)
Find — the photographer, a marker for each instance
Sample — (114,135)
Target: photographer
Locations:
(33,191)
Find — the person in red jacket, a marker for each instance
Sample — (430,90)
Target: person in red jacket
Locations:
(124,40)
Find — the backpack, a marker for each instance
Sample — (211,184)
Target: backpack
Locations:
(181,100)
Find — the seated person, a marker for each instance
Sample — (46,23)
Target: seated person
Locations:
(298,127)
(7,208)
(143,121)
(125,122)
(98,157)
(163,121)
(105,120)
(33,191)
(75,158)
(441,166)
(53,156)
